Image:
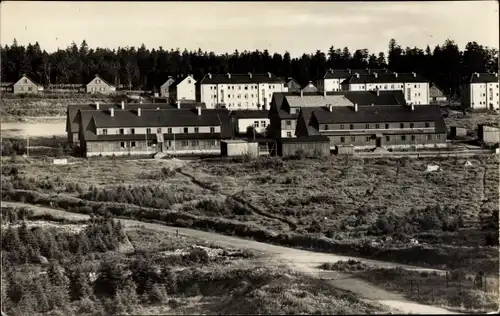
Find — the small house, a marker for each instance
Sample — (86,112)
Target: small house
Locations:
(183,89)
(436,95)
(165,87)
(242,120)
(6,86)
(99,85)
(26,85)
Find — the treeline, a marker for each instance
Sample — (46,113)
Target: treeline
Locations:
(135,68)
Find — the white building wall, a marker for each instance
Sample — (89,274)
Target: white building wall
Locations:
(332,84)
(415,92)
(186,90)
(259,124)
(164,130)
(483,95)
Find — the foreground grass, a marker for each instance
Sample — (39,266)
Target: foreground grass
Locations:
(158,273)
(455,291)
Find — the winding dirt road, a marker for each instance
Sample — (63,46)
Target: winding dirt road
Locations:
(301,260)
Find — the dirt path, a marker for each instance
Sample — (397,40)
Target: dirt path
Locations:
(303,261)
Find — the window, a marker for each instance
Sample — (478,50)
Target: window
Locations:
(212,129)
(195,143)
(196,130)
(30,88)
(403,137)
(351,126)
(105,131)
(353,139)
(169,130)
(288,123)
(377,125)
(368,138)
(150,143)
(132,144)
(341,126)
(288,134)
(428,137)
(387,138)
(186,130)
(148,130)
(367,126)
(121,131)
(427,124)
(342,139)
(412,137)
(212,142)
(256,124)
(185,143)
(402,125)
(327,127)
(411,125)
(415,86)
(263,123)
(25,80)
(132,131)
(246,87)
(123,145)
(438,137)
(158,130)
(189,81)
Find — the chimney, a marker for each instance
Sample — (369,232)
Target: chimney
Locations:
(139,112)
(348,70)
(301,93)
(123,105)
(496,74)
(375,75)
(412,107)
(269,74)
(357,75)
(97,105)
(414,74)
(229,75)
(330,107)
(250,75)
(198,108)
(209,76)
(378,92)
(396,74)
(178,104)
(140,102)
(112,112)
(355,107)
(477,74)
(373,104)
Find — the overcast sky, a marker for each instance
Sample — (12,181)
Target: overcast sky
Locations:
(223,27)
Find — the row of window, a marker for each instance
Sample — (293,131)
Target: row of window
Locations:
(214,96)
(484,94)
(367,126)
(184,143)
(483,103)
(239,87)
(262,124)
(94,89)
(484,85)
(22,88)
(121,131)
(388,138)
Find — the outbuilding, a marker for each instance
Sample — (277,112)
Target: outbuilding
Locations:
(238,147)
(309,145)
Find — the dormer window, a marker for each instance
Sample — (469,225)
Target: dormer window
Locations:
(105,131)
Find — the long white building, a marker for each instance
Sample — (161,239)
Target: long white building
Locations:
(333,78)
(481,91)
(415,87)
(239,91)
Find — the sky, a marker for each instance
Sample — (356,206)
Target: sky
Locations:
(296,27)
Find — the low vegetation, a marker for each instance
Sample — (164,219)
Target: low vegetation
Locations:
(105,269)
(454,290)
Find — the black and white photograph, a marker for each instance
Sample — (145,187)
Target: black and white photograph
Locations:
(249,157)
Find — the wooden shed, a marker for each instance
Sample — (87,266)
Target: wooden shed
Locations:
(488,134)
(238,147)
(344,150)
(457,132)
(308,144)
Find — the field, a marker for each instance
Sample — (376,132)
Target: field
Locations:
(368,208)
(98,267)
(454,291)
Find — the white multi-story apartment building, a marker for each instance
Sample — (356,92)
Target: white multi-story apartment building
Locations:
(332,80)
(415,87)
(481,91)
(239,91)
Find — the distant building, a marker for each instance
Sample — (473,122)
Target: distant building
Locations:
(480,91)
(26,85)
(291,85)
(243,119)
(6,86)
(239,91)
(165,87)
(183,89)
(310,87)
(415,87)
(333,78)
(99,85)
(436,95)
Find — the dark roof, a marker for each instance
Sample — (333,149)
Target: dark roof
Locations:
(483,77)
(97,76)
(33,81)
(345,73)
(73,109)
(386,97)
(240,79)
(6,84)
(249,114)
(306,139)
(378,113)
(384,78)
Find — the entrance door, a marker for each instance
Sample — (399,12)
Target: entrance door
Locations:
(160,147)
(379,142)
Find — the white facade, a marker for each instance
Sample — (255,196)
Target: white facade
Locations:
(186,89)
(482,95)
(330,84)
(260,124)
(414,92)
(240,96)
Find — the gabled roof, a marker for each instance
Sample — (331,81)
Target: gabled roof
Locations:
(240,79)
(384,78)
(483,77)
(99,77)
(250,114)
(317,100)
(309,87)
(435,91)
(26,77)
(177,82)
(168,82)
